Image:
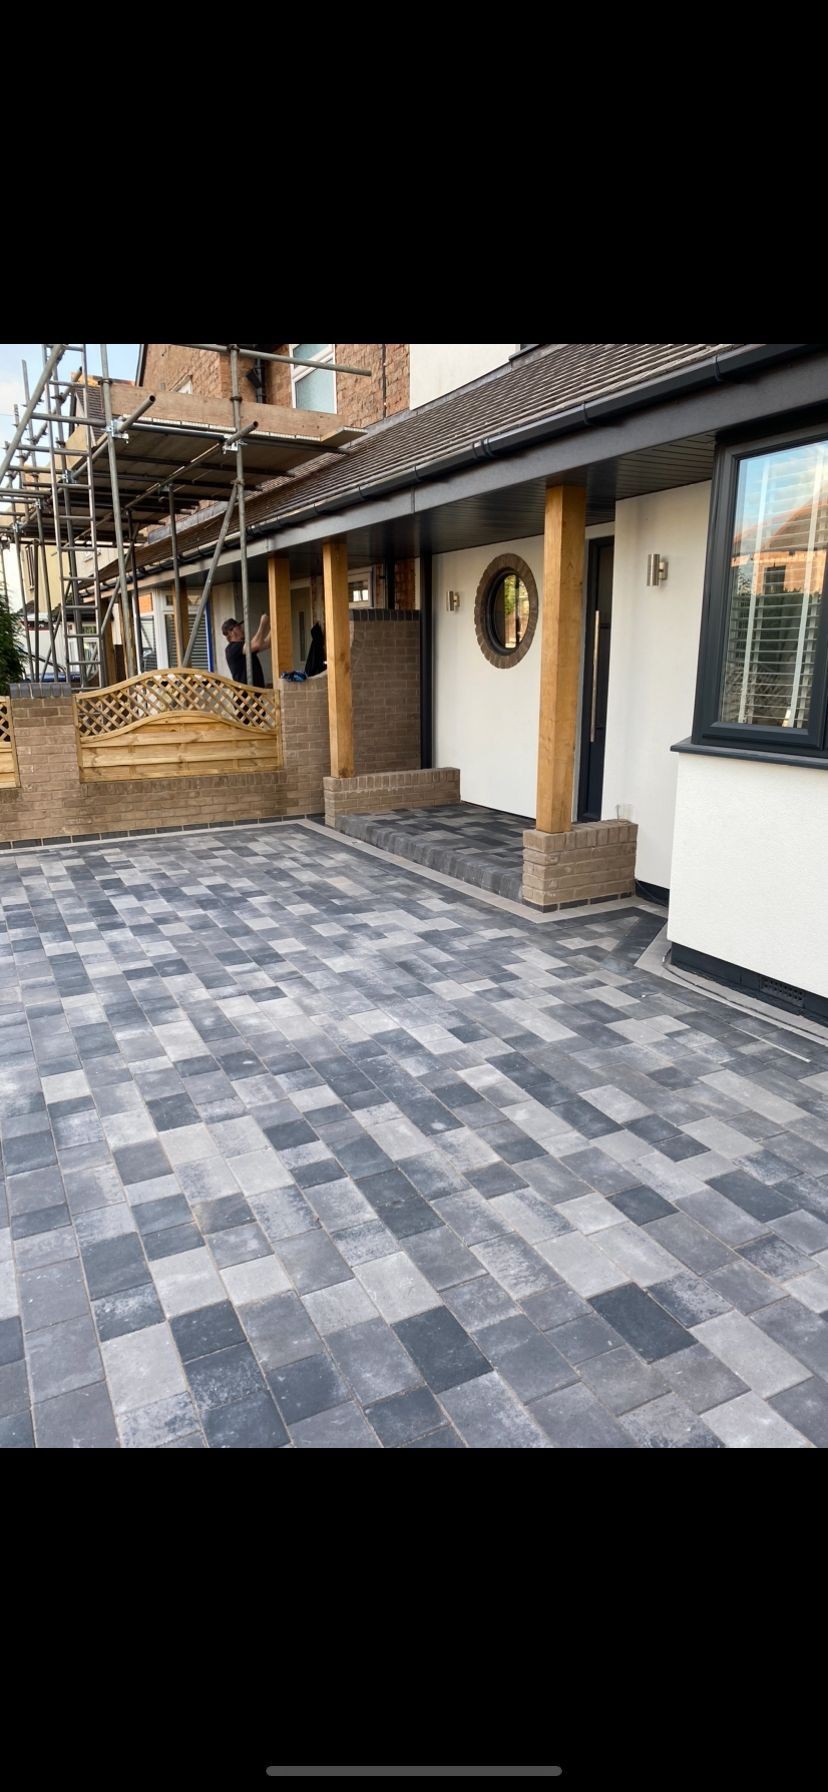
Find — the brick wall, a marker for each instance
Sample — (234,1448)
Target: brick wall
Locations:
(168,366)
(374,792)
(52,802)
(358,401)
(385,669)
(593,862)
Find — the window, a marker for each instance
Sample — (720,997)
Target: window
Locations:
(185,386)
(202,657)
(361,586)
(313,388)
(763,670)
(506,611)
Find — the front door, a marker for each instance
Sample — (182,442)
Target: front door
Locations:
(596,677)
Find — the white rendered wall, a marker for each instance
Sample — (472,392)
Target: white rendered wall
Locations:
(750,867)
(438,367)
(653,659)
(485,719)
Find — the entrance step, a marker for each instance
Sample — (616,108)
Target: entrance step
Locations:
(481,847)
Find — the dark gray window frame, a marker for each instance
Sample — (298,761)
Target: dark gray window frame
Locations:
(708,730)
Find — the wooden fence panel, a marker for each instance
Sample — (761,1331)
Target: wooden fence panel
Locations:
(177,723)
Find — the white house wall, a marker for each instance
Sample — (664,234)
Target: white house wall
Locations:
(485,719)
(750,867)
(439,367)
(653,658)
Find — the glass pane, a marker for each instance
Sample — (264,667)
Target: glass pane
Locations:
(509,612)
(776,579)
(315,391)
(307,351)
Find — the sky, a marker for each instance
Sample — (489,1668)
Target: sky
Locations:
(123,362)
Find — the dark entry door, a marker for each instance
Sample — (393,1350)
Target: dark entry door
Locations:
(596,677)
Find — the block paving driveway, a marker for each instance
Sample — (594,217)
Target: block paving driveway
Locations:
(301,1149)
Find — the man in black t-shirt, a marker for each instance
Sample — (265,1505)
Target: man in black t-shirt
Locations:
(233,632)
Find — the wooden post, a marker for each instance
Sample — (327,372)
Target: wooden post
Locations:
(338,650)
(561,627)
(281,628)
(108,673)
(181,622)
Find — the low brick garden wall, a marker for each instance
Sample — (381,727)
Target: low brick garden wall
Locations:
(374,792)
(52,800)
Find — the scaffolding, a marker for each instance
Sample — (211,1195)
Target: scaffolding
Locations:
(89,470)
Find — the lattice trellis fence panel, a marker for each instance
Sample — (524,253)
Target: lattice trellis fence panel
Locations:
(173,692)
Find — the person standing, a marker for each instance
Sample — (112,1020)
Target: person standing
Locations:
(233,633)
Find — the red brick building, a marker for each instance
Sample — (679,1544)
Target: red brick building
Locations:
(356,400)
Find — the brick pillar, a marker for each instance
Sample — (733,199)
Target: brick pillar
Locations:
(50,795)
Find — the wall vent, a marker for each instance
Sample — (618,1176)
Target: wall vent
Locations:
(782,992)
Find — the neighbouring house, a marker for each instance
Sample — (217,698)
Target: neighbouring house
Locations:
(358,401)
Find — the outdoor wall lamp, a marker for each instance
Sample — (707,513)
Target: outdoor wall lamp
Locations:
(656,569)
(452,600)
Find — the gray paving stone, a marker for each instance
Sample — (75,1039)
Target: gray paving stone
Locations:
(805,1407)
(574,1420)
(802,1333)
(63,1357)
(743,1286)
(643,1323)
(587,1336)
(224,1376)
(112,1264)
(803,1231)
(691,1299)
(205,1330)
(16,1432)
(162,1423)
(306,1387)
(556,1306)
(479,1302)
(762,1364)
(142,1367)
(11,1340)
(621,1381)
(280,1330)
(441,1349)
(749,1423)
(724,1218)
(52,1294)
(248,1424)
(373,1361)
(443,1260)
(667,1424)
(14,1389)
(129,1311)
(81,1420)
(312,1261)
(406,1417)
(396,1286)
(700,1378)
(488,1416)
(525,1358)
(342,1428)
